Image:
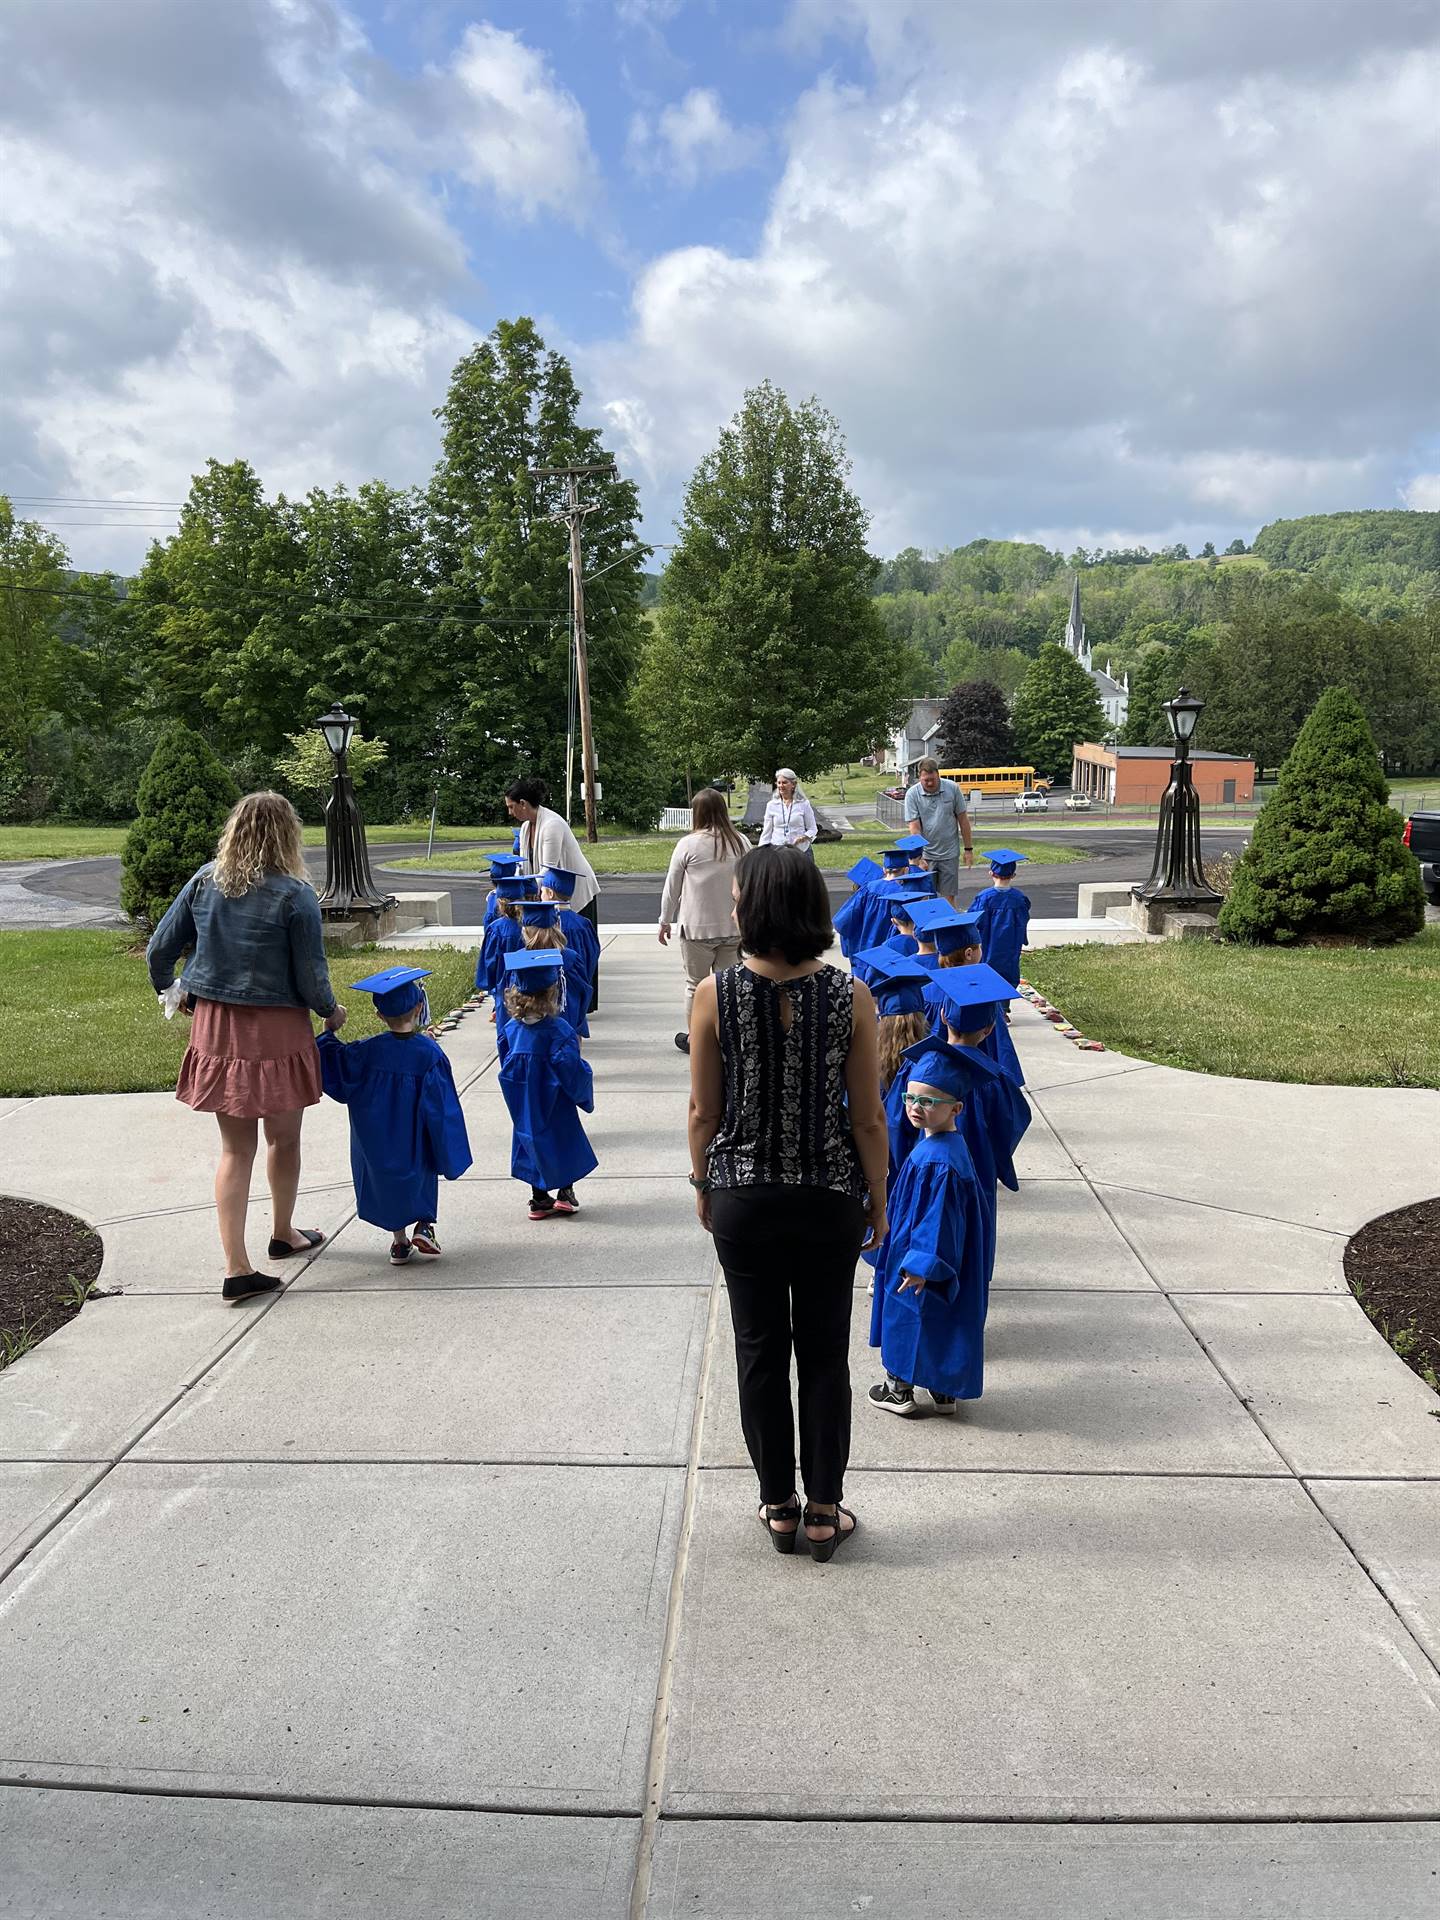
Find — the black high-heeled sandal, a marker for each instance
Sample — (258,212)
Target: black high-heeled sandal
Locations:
(782,1540)
(823,1550)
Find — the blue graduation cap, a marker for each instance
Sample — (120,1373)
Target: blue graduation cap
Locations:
(1005,857)
(949,936)
(515,843)
(396,989)
(502,864)
(896,982)
(865,872)
(560,881)
(511,886)
(912,843)
(921,883)
(952,1070)
(532,886)
(973,996)
(539,913)
(532,971)
(895,858)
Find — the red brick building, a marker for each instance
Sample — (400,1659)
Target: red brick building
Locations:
(1137,776)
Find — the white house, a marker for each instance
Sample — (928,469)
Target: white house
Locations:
(915,737)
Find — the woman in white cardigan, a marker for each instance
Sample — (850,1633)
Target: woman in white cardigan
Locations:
(547,841)
(698,897)
(789,818)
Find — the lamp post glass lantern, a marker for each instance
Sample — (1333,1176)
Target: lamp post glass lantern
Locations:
(1177,874)
(348,887)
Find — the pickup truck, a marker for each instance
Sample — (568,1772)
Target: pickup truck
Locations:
(1422,836)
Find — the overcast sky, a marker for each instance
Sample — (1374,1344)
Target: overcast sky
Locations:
(1078,270)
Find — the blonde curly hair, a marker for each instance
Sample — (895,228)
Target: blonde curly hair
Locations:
(261,836)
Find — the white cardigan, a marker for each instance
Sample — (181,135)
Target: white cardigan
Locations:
(697,898)
(546,841)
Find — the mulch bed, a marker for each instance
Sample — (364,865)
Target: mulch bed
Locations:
(40,1249)
(1393,1267)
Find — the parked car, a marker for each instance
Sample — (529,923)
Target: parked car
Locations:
(893,793)
(1077,803)
(1422,836)
(1031,803)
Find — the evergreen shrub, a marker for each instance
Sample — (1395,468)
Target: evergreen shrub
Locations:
(1327,857)
(184,797)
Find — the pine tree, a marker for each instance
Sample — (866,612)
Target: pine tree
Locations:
(502,578)
(1327,857)
(766,603)
(1056,706)
(974,722)
(185,795)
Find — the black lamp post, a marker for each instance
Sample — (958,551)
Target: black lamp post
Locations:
(1177,877)
(348,885)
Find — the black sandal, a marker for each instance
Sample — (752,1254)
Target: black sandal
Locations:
(783,1540)
(282,1249)
(823,1550)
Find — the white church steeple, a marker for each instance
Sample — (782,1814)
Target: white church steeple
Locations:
(1075,628)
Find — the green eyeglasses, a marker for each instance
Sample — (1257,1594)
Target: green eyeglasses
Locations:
(925,1100)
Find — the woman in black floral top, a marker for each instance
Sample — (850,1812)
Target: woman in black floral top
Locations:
(788,1160)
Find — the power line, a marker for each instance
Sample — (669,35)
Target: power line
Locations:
(82,500)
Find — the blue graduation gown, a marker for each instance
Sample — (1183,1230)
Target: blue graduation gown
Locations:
(406,1127)
(902,1139)
(997,1044)
(992,1124)
(577,1000)
(580,935)
(544,1080)
(866,920)
(502,936)
(934,1338)
(492,907)
(1004,926)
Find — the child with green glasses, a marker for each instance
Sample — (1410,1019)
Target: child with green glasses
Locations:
(931,1286)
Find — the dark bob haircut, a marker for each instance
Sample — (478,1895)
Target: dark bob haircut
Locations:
(529,791)
(782,905)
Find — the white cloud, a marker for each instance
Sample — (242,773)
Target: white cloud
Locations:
(1082,294)
(691,139)
(1422,494)
(522,134)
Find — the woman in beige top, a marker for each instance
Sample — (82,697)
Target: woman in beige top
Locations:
(698,898)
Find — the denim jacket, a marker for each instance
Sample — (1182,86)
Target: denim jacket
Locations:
(260,949)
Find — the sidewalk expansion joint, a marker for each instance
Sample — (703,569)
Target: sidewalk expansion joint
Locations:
(1214,1206)
(413,1803)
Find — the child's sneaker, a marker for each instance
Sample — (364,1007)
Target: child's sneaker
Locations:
(542,1207)
(894,1396)
(565,1201)
(423,1240)
(400,1251)
(943,1402)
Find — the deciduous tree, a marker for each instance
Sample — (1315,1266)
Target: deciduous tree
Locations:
(975,725)
(1056,706)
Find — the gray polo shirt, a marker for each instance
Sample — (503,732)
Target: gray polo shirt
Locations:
(937,816)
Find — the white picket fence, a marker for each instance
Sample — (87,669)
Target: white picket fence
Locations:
(675,820)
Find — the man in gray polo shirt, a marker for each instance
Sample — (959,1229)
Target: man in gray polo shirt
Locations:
(936,808)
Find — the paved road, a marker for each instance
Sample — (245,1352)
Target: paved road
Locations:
(82,892)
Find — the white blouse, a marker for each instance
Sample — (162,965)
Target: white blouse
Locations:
(784,825)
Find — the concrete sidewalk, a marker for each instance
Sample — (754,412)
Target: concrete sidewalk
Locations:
(440,1592)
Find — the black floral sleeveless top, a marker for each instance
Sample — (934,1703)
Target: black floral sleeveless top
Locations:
(786,1122)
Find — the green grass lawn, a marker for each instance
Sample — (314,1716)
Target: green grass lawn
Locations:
(650,853)
(1334,1016)
(78,1014)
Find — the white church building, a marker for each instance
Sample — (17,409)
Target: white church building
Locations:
(1114,695)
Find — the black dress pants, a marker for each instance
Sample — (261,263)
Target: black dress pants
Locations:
(789,1257)
(591,912)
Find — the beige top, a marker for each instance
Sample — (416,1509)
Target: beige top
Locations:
(697,898)
(547,841)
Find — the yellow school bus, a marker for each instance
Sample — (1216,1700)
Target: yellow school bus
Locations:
(995,779)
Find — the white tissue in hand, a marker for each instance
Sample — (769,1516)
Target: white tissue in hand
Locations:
(170,999)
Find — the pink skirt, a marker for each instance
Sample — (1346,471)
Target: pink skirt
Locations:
(249,1062)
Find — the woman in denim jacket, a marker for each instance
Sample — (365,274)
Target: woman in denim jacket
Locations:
(250,922)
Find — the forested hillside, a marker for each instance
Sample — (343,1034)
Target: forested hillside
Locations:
(1334,599)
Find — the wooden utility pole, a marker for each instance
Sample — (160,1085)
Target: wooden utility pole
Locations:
(573,514)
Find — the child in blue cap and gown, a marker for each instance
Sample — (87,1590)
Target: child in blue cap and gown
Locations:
(897,984)
(996,1115)
(406,1127)
(1004,916)
(931,1284)
(545,1084)
(557,885)
(849,917)
(502,867)
(541,931)
(956,937)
